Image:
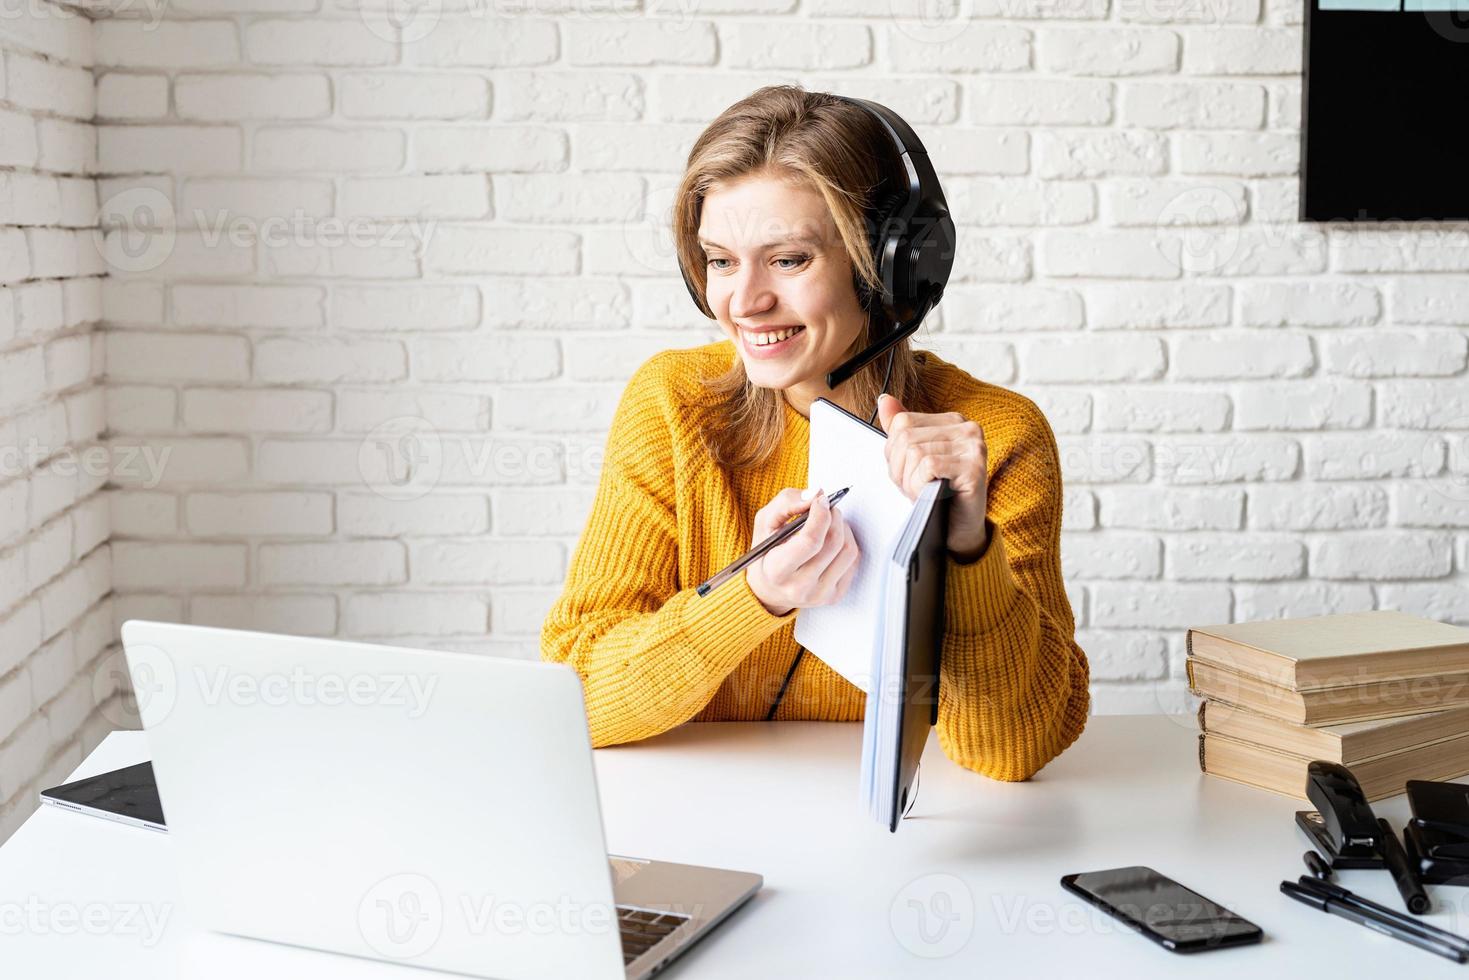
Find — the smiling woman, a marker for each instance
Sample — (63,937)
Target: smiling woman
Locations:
(709,447)
(776,231)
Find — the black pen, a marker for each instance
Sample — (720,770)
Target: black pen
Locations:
(1373,920)
(1340,894)
(1404,875)
(786,530)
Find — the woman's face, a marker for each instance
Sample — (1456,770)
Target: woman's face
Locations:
(775,263)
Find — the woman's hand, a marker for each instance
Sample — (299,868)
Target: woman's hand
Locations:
(814,566)
(922,447)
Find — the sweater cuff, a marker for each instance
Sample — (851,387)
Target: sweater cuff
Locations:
(730,621)
(980,594)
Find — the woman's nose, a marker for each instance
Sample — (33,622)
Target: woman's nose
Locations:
(752,295)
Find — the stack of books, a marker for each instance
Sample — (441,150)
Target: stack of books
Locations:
(1384,693)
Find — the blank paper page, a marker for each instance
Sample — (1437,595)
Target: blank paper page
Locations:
(845,452)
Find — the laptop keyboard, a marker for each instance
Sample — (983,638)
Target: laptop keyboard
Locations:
(642,928)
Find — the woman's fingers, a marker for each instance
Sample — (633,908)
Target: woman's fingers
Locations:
(846,580)
(843,565)
(788,556)
(831,544)
(782,507)
(815,565)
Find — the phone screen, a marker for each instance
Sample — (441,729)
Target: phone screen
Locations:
(1178,918)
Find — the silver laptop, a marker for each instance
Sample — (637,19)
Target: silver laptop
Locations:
(423,807)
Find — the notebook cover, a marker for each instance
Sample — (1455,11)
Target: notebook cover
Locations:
(918,711)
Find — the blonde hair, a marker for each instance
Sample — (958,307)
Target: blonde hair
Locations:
(841,151)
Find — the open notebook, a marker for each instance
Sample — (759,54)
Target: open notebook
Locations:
(885,634)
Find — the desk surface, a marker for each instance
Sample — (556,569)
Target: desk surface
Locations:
(781,799)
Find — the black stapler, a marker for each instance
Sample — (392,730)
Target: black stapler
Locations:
(1349,835)
(1342,827)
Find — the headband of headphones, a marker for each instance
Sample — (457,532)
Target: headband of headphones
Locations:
(912,239)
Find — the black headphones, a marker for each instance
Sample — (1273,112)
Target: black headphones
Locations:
(911,236)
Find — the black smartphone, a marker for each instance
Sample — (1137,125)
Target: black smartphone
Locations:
(1174,917)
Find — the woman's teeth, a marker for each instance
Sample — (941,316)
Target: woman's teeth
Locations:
(775,337)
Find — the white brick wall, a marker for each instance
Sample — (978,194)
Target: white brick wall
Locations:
(56,607)
(443,246)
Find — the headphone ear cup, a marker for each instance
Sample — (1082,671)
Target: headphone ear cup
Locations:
(879,227)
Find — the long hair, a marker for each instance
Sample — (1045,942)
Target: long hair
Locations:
(841,151)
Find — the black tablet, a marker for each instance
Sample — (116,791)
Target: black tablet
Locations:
(127,795)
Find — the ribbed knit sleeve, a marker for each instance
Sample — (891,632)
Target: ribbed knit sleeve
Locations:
(1013,681)
(649,653)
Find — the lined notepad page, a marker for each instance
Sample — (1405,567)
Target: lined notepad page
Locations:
(847,453)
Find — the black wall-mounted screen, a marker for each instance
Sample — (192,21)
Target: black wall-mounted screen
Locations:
(1383,110)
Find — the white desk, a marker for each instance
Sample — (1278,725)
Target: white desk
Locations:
(781,799)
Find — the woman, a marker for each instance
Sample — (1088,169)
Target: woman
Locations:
(709,446)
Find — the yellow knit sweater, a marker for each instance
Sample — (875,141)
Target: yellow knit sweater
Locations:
(653,654)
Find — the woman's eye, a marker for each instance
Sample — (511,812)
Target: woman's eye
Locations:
(799,261)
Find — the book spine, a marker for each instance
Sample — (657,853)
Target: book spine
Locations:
(1188,643)
(1202,705)
(1202,767)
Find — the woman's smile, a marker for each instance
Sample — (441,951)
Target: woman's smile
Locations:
(768,342)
